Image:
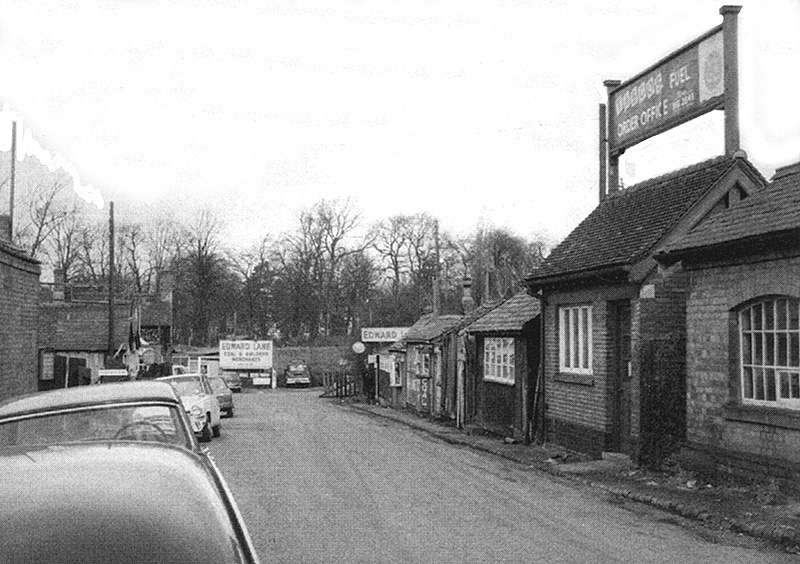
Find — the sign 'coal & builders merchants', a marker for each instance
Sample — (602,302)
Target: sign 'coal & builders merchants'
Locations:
(245,355)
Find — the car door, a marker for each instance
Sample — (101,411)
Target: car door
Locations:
(212,401)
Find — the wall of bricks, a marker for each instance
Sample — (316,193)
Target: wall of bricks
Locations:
(714,426)
(19,310)
(577,410)
(659,364)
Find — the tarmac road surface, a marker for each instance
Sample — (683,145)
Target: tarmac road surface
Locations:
(318,482)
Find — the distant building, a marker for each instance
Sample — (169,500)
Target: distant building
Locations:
(19,310)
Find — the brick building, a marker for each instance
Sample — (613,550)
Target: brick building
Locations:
(743,337)
(73,332)
(19,309)
(613,322)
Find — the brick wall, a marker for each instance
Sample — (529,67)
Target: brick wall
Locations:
(81,326)
(715,426)
(659,365)
(577,409)
(19,311)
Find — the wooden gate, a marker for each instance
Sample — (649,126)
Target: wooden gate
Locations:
(340,385)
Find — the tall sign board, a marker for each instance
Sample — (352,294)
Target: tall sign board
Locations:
(684,85)
(245,355)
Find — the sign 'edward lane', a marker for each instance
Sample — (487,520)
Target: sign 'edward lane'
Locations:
(245,355)
(683,86)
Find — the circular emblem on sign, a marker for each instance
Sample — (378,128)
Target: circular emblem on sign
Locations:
(358,347)
(713,70)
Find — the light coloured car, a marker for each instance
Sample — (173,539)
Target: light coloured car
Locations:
(124,411)
(117,502)
(200,403)
(223,394)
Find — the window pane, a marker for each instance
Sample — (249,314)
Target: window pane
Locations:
(794,313)
(757,317)
(586,343)
(795,382)
(785,388)
(575,344)
(794,349)
(744,320)
(747,349)
(769,349)
(758,384)
(769,378)
(769,316)
(783,349)
(565,316)
(758,357)
(781,311)
(747,383)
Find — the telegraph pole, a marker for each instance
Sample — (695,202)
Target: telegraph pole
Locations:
(12,180)
(111,279)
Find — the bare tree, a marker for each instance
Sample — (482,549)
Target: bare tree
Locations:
(47,210)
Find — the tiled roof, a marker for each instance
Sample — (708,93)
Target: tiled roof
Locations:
(476,313)
(627,225)
(511,315)
(772,210)
(429,326)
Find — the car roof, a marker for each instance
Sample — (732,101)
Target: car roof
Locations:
(116,502)
(84,396)
(186,376)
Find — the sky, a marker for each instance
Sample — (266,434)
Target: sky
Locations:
(473,111)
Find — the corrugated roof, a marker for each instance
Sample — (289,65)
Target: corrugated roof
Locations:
(429,326)
(511,315)
(772,210)
(627,225)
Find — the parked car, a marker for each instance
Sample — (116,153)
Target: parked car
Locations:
(223,394)
(124,411)
(233,380)
(118,503)
(199,402)
(297,373)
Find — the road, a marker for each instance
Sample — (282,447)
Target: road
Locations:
(320,482)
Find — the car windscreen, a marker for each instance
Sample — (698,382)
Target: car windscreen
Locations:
(218,385)
(190,386)
(142,422)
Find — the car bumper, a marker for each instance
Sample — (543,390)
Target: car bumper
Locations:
(301,380)
(196,422)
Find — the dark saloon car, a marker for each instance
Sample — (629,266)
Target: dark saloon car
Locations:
(117,502)
(233,380)
(124,411)
(223,394)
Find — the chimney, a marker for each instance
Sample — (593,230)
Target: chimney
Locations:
(59,284)
(467,303)
(5,228)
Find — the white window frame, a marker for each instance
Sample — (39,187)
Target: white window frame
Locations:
(575,345)
(769,353)
(498,360)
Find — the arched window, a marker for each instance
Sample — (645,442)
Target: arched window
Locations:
(769,332)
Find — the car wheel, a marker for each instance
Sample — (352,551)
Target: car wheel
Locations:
(205,434)
(216,429)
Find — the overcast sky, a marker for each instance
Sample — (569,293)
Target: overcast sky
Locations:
(464,109)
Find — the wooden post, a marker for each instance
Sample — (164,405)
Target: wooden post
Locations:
(730,58)
(602,151)
(613,158)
